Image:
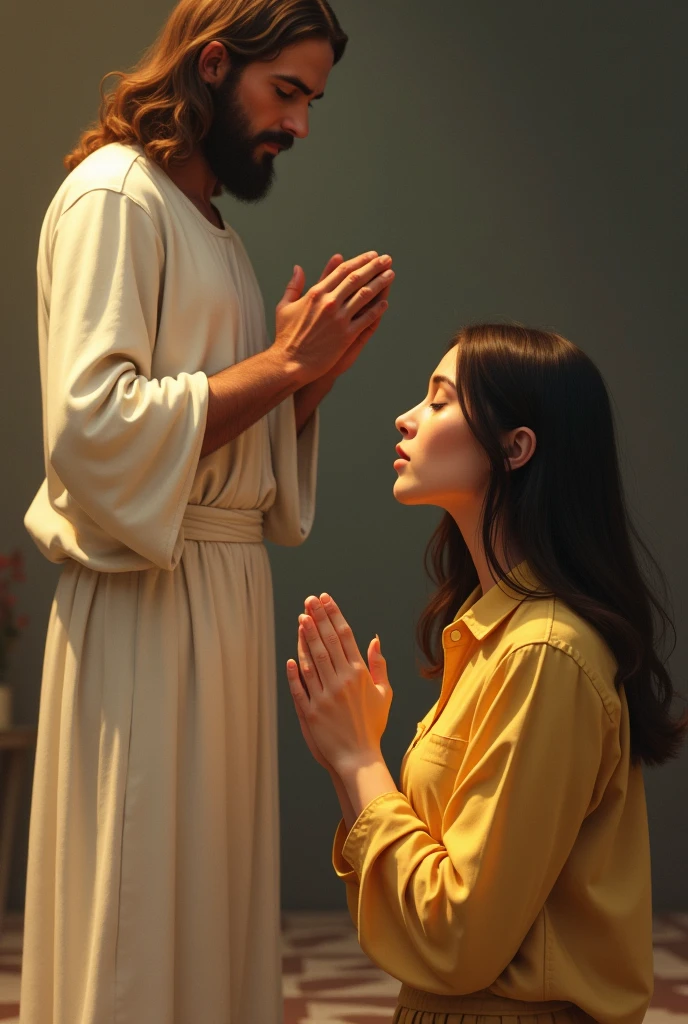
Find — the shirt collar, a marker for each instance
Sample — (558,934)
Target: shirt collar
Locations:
(482,614)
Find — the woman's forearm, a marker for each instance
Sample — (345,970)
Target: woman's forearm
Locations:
(365,780)
(344,802)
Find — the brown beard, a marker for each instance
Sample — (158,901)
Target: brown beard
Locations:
(229,146)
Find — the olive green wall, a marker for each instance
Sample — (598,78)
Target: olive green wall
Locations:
(522,160)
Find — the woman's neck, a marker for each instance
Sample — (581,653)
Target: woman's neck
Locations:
(508,556)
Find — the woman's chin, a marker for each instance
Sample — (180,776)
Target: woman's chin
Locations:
(404,494)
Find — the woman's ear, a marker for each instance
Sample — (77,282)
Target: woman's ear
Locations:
(520,445)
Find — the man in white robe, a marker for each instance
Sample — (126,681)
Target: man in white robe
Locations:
(176,438)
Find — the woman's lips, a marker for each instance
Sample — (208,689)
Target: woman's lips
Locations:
(403,457)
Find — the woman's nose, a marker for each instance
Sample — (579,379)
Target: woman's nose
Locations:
(401,425)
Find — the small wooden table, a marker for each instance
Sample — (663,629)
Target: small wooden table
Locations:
(15,744)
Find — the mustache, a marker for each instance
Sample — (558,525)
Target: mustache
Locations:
(283,139)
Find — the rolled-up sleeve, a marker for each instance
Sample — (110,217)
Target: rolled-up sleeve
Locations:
(344,871)
(447,914)
(124,444)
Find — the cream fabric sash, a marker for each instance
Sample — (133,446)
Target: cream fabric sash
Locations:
(231,525)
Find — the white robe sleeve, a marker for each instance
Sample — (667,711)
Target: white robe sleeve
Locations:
(124,445)
(294,464)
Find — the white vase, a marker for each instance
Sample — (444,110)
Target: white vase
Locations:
(5,706)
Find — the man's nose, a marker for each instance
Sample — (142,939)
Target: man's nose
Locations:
(296,125)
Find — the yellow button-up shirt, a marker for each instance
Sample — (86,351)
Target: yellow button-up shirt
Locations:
(516,856)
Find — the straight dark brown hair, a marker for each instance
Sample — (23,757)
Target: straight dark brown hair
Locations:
(564,511)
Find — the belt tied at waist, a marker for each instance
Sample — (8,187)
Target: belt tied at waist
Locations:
(482,1002)
(231,525)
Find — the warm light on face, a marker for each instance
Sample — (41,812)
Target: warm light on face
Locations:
(260,110)
(276,95)
(446,467)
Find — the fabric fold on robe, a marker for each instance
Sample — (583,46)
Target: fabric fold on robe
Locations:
(153,869)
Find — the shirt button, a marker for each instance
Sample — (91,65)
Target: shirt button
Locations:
(455,635)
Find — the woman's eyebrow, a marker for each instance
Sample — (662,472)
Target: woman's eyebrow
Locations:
(439,378)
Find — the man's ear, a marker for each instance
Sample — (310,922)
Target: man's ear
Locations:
(214,63)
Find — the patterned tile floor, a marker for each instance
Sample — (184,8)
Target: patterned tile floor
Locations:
(327,980)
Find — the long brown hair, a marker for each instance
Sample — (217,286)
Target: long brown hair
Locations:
(163,105)
(564,511)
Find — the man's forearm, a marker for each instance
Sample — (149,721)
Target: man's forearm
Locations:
(308,398)
(242,394)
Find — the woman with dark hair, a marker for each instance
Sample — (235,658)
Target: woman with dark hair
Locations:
(509,874)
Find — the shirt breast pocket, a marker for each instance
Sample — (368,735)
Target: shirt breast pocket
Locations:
(446,751)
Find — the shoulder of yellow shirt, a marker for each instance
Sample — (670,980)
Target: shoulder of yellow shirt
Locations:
(548,620)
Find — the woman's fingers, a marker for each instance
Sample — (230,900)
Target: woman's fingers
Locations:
(302,678)
(328,634)
(308,669)
(377,665)
(319,654)
(296,687)
(302,706)
(344,631)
